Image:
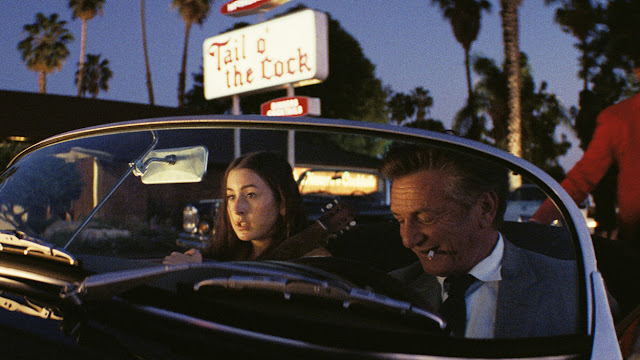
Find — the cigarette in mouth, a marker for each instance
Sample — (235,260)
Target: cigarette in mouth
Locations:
(431,254)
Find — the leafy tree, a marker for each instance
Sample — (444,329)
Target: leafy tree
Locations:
(623,23)
(44,49)
(541,114)
(32,208)
(469,122)
(85,10)
(192,12)
(95,76)
(195,101)
(579,18)
(605,35)
(427,124)
(146,53)
(401,107)
(352,90)
(9,149)
(423,101)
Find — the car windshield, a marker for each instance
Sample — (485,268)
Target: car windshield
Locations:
(128,197)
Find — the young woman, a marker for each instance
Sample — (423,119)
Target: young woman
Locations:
(262,208)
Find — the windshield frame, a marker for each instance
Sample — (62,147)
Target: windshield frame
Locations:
(578,229)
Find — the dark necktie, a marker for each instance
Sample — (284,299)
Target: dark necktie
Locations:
(454,310)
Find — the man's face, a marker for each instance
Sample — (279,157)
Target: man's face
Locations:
(431,222)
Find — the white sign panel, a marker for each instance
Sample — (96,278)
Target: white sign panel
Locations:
(290,49)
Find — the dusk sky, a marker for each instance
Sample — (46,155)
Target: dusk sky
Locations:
(408,41)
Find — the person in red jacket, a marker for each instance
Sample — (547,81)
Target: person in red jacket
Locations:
(616,140)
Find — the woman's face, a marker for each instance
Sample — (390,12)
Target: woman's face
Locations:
(252,207)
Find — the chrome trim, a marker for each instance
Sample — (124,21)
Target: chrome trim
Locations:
(26,245)
(309,346)
(605,346)
(29,275)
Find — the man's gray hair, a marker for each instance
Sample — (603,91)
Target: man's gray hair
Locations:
(469,176)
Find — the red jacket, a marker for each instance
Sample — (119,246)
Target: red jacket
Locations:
(616,139)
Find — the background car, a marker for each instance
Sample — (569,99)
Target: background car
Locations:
(526,199)
(198,220)
(523,202)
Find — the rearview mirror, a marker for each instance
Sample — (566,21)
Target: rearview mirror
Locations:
(171,166)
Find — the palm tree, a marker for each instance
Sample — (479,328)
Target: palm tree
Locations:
(95,76)
(85,10)
(510,29)
(464,16)
(146,53)
(541,113)
(192,12)
(422,101)
(401,107)
(44,49)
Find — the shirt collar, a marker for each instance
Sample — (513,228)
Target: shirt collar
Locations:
(489,268)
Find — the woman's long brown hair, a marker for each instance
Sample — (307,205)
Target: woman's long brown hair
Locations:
(277,173)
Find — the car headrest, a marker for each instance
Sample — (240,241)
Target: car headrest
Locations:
(380,244)
(552,241)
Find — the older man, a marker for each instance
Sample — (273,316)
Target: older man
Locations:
(449,208)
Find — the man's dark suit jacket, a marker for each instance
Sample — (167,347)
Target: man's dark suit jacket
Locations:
(537,296)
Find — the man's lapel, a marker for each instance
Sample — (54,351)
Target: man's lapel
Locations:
(427,286)
(517,295)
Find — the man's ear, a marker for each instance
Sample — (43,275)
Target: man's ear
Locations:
(488,208)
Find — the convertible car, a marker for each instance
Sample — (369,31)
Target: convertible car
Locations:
(86,218)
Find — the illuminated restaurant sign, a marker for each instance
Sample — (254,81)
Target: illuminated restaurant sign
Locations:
(290,49)
(291,106)
(336,182)
(249,7)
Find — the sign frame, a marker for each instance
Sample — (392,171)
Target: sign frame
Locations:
(290,50)
(249,7)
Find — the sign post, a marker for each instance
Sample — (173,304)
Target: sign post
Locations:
(285,52)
